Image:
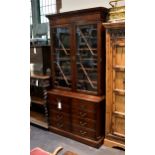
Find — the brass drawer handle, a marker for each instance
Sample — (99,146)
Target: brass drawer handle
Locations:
(60,125)
(59,117)
(83,114)
(83,132)
(83,123)
(83,107)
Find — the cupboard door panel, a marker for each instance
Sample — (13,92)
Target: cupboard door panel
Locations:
(87,61)
(119,105)
(119,55)
(118,127)
(115,84)
(62,57)
(119,80)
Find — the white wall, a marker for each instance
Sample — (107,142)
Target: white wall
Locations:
(70,5)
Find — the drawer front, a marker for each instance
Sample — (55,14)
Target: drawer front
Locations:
(81,131)
(59,120)
(57,107)
(36,55)
(83,122)
(59,103)
(83,105)
(59,116)
(84,114)
(56,98)
(61,125)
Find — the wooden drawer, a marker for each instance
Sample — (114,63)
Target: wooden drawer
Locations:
(61,125)
(83,122)
(59,103)
(58,116)
(64,108)
(84,114)
(55,98)
(81,131)
(83,105)
(58,97)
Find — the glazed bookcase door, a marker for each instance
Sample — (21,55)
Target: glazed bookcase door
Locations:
(118,74)
(86,54)
(61,57)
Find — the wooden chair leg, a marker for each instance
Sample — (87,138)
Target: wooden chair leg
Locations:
(55,152)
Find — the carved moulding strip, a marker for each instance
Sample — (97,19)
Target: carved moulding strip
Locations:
(116,33)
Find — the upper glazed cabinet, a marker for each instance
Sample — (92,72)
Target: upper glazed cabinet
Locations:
(78,53)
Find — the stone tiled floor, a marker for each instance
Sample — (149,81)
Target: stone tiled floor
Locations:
(49,141)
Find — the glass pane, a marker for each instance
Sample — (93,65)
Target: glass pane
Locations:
(87,58)
(47,7)
(62,63)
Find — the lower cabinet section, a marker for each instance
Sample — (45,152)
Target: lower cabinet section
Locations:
(77,116)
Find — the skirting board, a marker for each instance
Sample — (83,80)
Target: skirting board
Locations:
(89,142)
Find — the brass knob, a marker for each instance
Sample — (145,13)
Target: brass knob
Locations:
(83,123)
(82,132)
(83,114)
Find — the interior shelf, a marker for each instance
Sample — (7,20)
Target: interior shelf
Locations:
(87,49)
(119,68)
(38,100)
(61,49)
(61,78)
(63,59)
(86,81)
(39,76)
(89,69)
(119,91)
